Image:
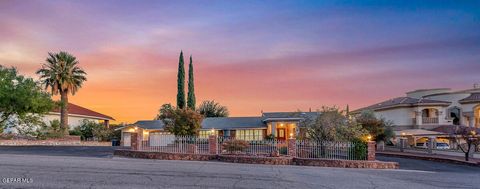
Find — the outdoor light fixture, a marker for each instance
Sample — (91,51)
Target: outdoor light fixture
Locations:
(369,137)
(212,131)
(291,135)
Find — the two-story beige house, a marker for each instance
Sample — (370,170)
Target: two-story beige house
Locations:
(427,113)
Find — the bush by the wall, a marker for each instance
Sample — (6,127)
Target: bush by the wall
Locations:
(89,130)
(52,130)
(234,146)
(359,149)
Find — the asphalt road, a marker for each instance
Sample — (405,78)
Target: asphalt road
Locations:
(59,167)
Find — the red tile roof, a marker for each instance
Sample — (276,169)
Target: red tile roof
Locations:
(78,110)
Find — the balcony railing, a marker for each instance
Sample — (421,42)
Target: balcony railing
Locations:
(426,120)
(430,120)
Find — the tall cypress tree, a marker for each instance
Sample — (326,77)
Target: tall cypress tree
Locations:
(191,88)
(181,83)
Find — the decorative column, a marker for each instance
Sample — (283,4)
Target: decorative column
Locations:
(212,144)
(292,147)
(134,141)
(471,121)
(140,138)
(418,119)
(274,128)
(431,144)
(371,151)
(403,142)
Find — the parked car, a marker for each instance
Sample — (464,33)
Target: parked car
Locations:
(439,146)
(442,146)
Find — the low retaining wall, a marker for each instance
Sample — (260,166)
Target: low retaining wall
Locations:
(259,160)
(256,160)
(346,163)
(163,155)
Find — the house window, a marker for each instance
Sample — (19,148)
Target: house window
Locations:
(206,133)
(249,134)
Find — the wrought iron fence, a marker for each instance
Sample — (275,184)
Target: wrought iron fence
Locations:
(331,150)
(272,147)
(175,144)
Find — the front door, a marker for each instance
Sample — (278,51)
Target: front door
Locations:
(281,133)
(127,139)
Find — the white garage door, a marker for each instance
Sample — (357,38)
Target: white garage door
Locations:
(161,139)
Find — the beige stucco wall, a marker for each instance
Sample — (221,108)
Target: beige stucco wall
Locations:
(398,116)
(73,121)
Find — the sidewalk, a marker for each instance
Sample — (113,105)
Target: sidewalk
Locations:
(431,157)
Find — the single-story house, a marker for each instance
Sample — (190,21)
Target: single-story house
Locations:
(279,125)
(76,115)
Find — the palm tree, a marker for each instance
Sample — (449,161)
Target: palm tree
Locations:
(62,74)
(210,108)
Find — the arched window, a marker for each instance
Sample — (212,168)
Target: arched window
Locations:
(454,115)
(429,112)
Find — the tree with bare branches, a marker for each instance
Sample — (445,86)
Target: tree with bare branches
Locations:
(468,140)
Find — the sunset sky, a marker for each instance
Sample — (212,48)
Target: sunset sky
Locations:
(248,55)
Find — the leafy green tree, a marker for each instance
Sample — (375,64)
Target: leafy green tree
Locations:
(181,83)
(180,121)
(62,74)
(21,99)
(191,101)
(165,112)
(183,122)
(210,108)
(333,125)
(379,129)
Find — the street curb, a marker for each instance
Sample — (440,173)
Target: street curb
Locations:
(429,158)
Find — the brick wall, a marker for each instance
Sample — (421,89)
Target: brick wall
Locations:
(259,160)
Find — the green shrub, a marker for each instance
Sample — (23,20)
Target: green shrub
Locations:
(359,149)
(233,146)
(52,130)
(92,130)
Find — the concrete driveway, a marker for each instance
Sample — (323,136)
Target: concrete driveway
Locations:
(94,169)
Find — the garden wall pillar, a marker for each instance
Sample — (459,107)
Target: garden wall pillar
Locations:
(212,144)
(403,144)
(431,144)
(292,147)
(371,151)
(134,141)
